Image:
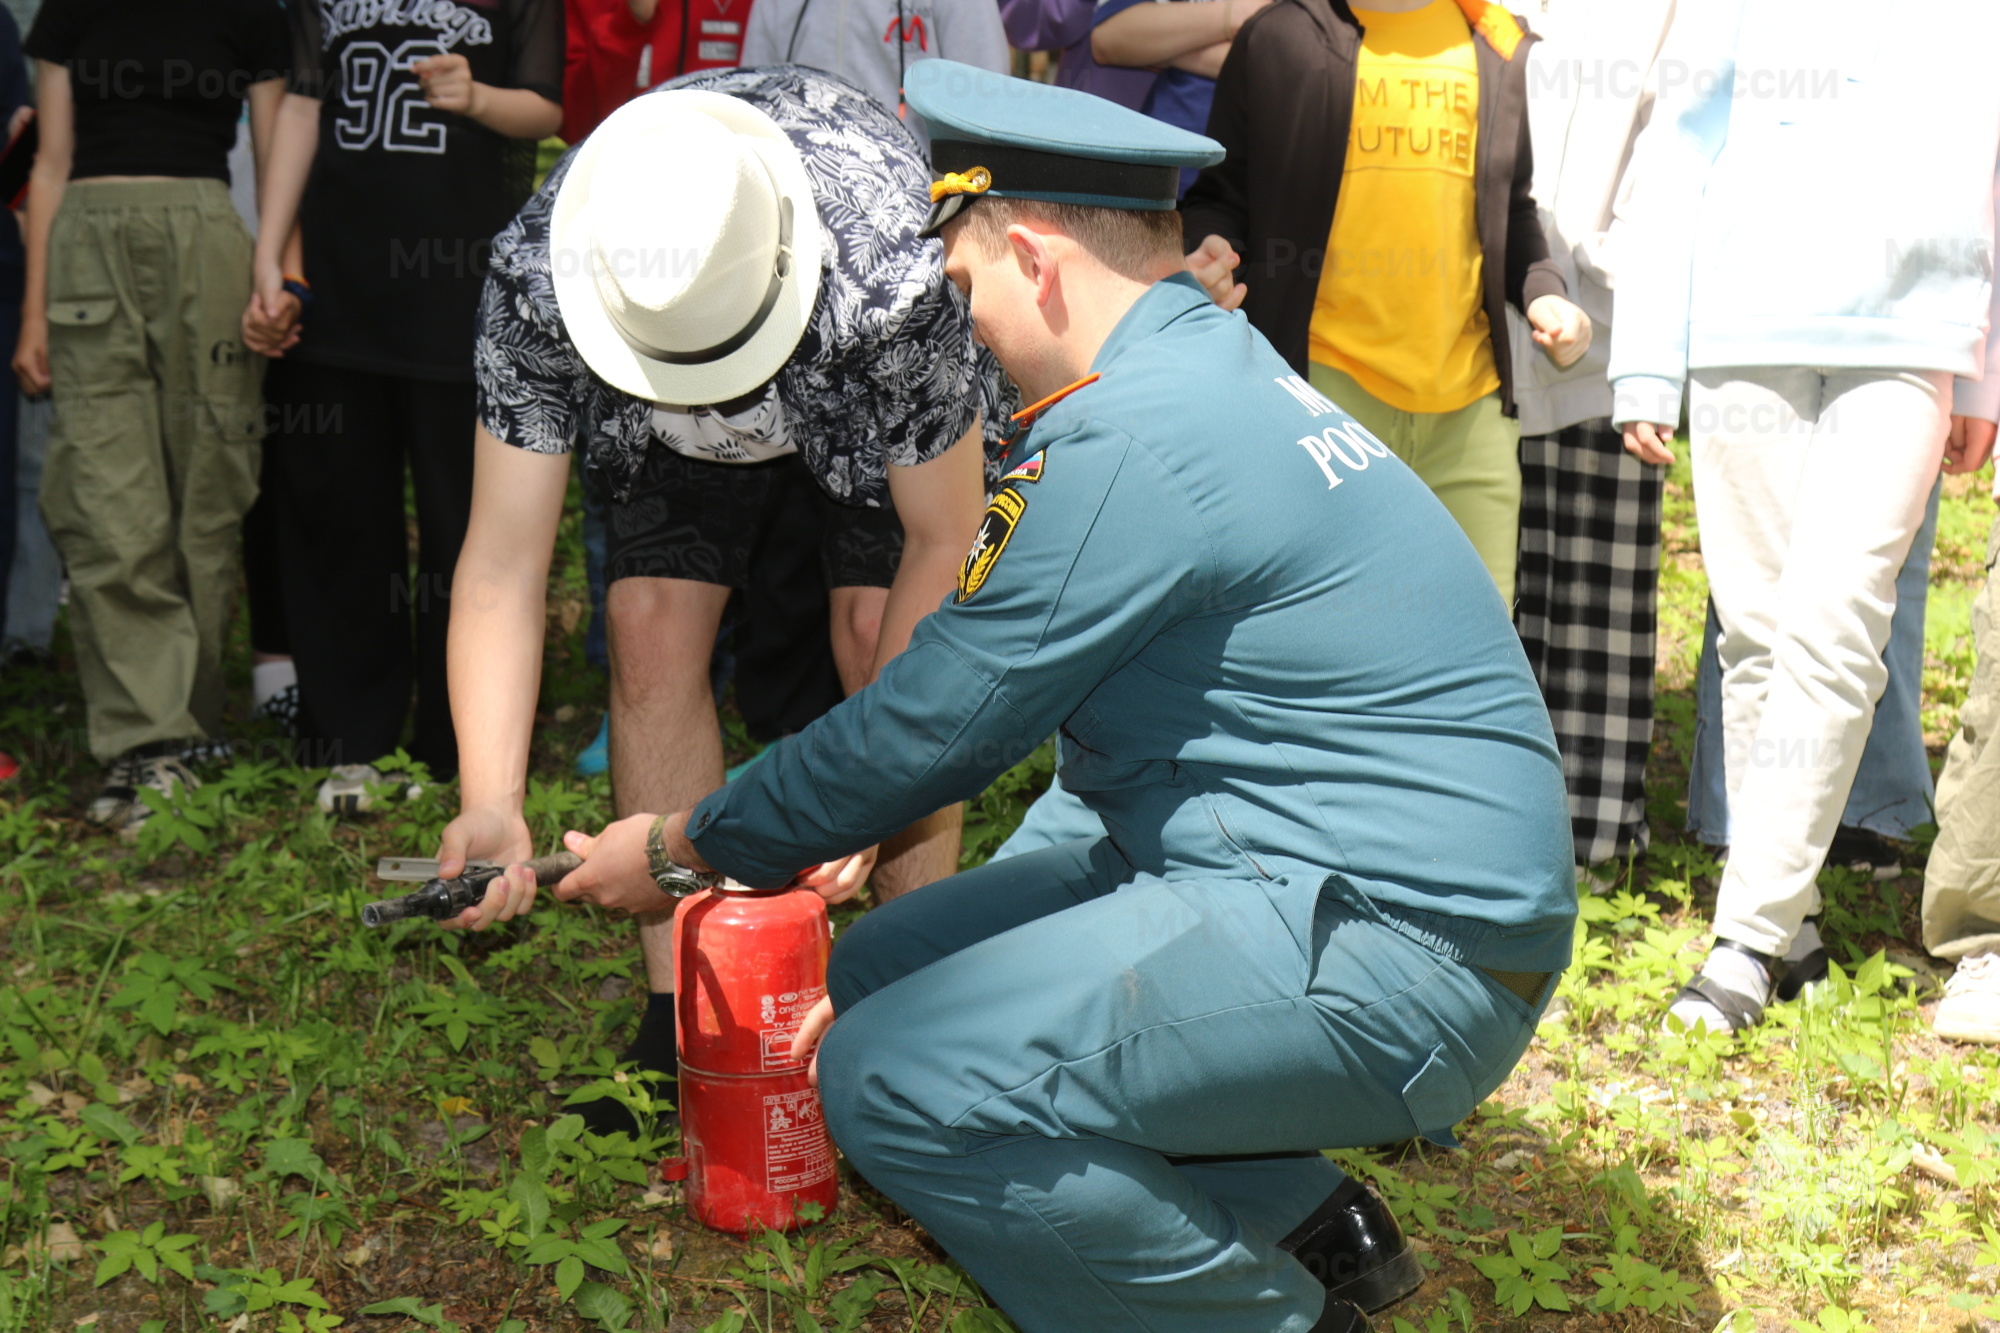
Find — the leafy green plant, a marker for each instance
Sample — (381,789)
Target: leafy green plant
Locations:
(430,1316)
(1456,1311)
(1833,1319)
(591,1245)
(149,1251)
(296,1307)
(1627,1281)
(155,984)
(1527,1273)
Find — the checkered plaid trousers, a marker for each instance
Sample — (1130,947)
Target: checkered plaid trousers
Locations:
(1587,590)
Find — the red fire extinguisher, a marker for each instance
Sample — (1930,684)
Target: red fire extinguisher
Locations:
(752,964)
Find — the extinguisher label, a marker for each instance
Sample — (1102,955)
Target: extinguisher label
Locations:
(781,1016)
(797,1152)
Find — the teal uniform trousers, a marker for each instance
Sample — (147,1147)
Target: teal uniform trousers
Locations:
(1326,808)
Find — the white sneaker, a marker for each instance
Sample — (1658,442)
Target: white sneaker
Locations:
(352,789)
(117,805)
(1970,1009)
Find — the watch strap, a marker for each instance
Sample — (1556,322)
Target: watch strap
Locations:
(670,875)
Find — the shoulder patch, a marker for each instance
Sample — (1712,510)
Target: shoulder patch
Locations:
(1030,468)
(1002,514)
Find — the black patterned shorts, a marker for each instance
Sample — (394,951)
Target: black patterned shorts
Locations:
(687,518)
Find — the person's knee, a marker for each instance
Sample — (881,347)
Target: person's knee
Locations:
(855,1087)
(856,623)
(858,967)
(656,629)
(861,620)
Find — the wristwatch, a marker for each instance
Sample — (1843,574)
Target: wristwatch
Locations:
(673,878)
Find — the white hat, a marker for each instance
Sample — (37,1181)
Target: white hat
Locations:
(685,248)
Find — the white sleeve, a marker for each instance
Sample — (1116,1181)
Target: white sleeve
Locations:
(1670,167)
(1980,397)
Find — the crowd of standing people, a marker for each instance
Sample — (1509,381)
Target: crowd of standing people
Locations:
(286,285)
(938,411)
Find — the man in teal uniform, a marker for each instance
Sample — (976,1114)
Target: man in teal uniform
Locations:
(1334,881)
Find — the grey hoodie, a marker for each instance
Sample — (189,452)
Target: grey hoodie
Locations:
(857,39)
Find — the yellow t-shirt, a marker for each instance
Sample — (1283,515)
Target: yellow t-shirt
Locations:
(1398,306)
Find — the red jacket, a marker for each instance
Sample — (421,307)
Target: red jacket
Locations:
(612,56)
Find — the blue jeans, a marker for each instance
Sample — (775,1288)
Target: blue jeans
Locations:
(1892,790)
(1027,1051)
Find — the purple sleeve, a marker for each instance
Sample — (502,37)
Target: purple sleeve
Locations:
(1045,25)
(1106,8)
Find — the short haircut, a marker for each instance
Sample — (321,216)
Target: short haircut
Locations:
(1131,242)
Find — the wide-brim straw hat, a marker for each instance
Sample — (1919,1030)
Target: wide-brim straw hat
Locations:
(685,248)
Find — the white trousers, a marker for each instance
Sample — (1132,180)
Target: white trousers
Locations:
(1809,487)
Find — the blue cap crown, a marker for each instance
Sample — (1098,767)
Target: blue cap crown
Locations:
(1011,138)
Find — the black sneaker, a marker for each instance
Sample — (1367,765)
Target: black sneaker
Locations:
(653,1051)
(117,805)
(1352,1244)
(1866,851)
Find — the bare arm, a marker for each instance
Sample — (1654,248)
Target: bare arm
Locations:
(265,99)
(264,334)
(57,114)
(939,503)
(284,165)
(1146,36)
(499,600)
(1206,62)
(643,10)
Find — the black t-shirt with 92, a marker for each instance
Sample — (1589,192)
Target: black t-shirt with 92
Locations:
(404,200)
(158,85)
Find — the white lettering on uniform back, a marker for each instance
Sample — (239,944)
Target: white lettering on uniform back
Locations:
(1348,443)
(1322,454)
(1315,403)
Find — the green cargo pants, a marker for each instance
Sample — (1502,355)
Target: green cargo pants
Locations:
(1469,458)
(1962,881)
(152,460)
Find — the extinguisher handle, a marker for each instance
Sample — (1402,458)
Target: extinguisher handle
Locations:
(548,869)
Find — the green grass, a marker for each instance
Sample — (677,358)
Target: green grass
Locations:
(224,1105)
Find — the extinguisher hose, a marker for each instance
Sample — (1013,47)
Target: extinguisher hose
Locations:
(443,899)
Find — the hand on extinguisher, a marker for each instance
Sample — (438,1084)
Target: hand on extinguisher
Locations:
(615,872)
(837,881)
(818,1019)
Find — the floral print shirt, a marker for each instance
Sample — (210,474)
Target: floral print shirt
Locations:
(887,370)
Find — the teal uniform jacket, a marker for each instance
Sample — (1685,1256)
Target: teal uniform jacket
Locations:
(1269,654)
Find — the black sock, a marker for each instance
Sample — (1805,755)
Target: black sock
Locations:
(653,1047)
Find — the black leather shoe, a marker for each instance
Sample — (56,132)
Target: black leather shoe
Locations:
(1341,1317)
(1352,1244)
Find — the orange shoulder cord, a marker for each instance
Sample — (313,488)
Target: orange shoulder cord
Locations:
(1495,24)
(1026,416)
